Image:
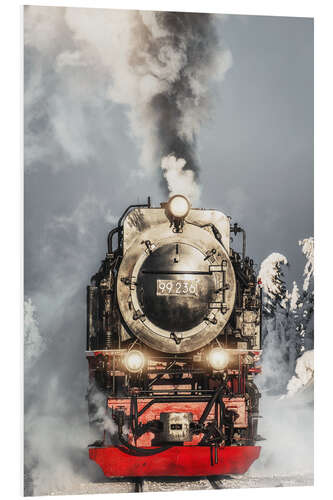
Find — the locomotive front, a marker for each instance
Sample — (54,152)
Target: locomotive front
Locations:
(173,337)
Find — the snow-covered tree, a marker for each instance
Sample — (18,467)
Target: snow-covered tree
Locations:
(294,342)
(287,319)
(275,359)
(271,277)
(306,301)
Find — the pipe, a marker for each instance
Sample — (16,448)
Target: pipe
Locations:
(119,225)
(143,452)
(110,236)
(145,205)
(209,406)
(244,243)
(236,229)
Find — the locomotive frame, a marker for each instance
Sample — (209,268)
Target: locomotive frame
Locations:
(179,401)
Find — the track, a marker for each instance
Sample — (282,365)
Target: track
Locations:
(139,484)
(216,484)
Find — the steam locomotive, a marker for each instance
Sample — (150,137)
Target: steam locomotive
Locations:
(173,341)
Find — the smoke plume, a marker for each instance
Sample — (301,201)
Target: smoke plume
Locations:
(158,64)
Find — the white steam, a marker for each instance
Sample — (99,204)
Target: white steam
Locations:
(287,426)
(180,181)
(304,375)
(56,372)
(34,343)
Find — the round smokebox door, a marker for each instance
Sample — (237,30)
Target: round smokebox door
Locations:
(174,287)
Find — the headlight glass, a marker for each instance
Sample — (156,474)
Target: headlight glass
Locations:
(179,206)
(218,358)
(134,361)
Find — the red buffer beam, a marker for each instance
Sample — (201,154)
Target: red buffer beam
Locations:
(176,461)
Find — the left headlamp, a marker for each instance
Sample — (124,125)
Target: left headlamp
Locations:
(134,361)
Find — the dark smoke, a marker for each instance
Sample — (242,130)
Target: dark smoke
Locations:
(181,108)
(196,36)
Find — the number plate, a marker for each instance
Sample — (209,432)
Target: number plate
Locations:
(184,288)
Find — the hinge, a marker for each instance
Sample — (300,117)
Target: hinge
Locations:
(131,282)
(175,337)
(139,315)
(211,318)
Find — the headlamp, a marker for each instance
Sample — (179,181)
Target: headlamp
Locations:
(179,206)
(218,358)
(134,361)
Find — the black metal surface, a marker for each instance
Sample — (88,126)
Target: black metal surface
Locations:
(174,399)
(138,485)
(175,313)
(237,229)
(216,483)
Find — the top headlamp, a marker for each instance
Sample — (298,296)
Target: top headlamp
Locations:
(179,206)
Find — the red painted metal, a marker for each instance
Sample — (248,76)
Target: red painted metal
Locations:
(176,461)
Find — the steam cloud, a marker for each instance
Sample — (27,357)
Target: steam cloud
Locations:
(56,373)
(303,379)
(159,64)
(34,343)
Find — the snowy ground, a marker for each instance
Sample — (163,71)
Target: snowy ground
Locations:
(162,484)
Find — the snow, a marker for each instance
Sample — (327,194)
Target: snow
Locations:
(308,250)
(268,273)
(294,297)
(270,276)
